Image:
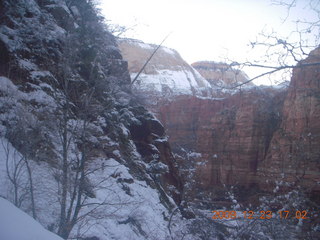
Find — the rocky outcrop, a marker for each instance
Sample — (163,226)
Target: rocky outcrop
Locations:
(166,75)
(221,74)
(41,31)
(152,143)
(34,38)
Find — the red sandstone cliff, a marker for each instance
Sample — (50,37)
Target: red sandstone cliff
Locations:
(250,139)
(232,134)
(253,138)
(294,153)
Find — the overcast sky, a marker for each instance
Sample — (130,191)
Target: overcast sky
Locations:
(203,29)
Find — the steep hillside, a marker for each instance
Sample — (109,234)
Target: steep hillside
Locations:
(72,154)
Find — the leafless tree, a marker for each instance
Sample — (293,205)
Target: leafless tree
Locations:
(20,176)
(284,53)
(77,109)
(72,165)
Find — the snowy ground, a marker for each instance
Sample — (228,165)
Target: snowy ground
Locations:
(17,225)
(122,208)
(126,208)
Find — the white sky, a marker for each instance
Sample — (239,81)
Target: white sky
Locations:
(203,29)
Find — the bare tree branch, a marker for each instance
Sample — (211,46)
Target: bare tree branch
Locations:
(149,59)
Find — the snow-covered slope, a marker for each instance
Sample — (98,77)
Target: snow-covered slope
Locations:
(17,225)
(166,74)
(121,194)
(126,208)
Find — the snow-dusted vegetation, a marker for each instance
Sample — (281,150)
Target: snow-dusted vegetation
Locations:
(68,158)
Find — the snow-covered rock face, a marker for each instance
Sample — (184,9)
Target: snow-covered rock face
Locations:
(130,209)
(53,52)
(167,74)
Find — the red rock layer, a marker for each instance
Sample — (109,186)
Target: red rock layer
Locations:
(294,154)
(253,138)
(232,134)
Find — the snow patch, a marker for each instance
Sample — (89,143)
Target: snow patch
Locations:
(7,85)
(27,65)
(144,45)
(179,82)
(168,50)
(17,225)
(194,155)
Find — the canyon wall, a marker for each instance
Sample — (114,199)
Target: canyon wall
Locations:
(232,135)
(294,153)
(254,138)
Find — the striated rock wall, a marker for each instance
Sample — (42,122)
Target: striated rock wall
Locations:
(253,138)
(232,134)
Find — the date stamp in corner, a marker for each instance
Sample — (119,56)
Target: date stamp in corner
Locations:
(263,215)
